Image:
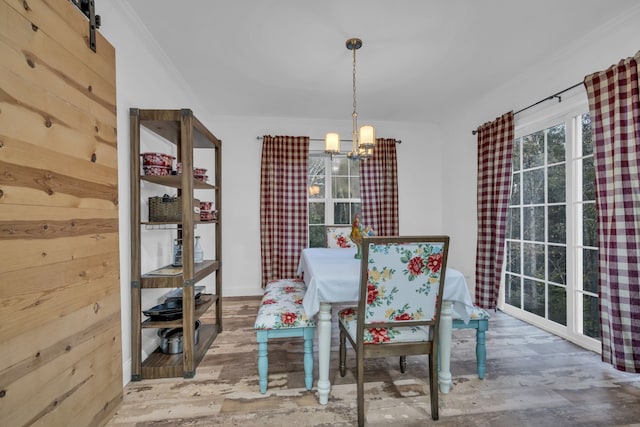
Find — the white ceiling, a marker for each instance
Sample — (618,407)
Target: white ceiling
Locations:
(420,58)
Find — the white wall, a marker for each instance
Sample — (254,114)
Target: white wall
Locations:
(241,184)
(603,47)
(146,79)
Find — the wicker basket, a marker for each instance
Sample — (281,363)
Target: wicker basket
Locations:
(169,209)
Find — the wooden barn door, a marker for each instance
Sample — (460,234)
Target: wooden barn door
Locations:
(60,337)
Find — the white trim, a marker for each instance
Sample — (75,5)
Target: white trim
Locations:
(551,112)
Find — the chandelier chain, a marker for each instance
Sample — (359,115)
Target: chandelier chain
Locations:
(354,81)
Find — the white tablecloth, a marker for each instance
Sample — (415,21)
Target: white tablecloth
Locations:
(333,275)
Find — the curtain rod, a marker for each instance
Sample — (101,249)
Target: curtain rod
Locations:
(398,141)
(548,98)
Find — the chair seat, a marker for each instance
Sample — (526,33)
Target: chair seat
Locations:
(281,306)
(349,319)
(477,313)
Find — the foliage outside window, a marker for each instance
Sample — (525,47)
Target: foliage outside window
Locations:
(332,204)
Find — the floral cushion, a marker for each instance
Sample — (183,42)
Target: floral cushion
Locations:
(281,306)
(402,284)
(349,318)
(338,237)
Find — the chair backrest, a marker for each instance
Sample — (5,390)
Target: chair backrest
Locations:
(337,236)
(401,280)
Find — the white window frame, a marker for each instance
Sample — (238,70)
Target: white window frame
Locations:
(328,199)
(572,105)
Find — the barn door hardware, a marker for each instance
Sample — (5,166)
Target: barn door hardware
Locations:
(88,8)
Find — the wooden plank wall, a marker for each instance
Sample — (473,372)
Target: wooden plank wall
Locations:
(60,337)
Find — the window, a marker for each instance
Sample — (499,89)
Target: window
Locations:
(551,250)
(332,204)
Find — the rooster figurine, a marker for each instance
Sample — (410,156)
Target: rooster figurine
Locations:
(356,234)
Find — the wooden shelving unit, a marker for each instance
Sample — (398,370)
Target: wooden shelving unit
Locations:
(187,133)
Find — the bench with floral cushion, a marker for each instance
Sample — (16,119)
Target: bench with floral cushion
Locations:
(281,315)
(480,322)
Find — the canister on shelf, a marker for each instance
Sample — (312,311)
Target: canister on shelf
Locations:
(177,253)
(198,253)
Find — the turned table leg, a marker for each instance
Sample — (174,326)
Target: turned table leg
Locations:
(444,349)
(324,352)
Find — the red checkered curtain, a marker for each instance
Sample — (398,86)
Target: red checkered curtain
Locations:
(495,150)
(283,205)
(614,105)
(379,189)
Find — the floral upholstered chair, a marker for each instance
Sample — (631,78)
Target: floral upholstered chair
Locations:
(337,236)
(398,313)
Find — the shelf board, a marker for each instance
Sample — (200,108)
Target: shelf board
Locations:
(166,123)
(175,181)
(200,309)
(160,365)
(201,271)
(159,224)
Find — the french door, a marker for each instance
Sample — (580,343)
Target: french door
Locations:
(551,275)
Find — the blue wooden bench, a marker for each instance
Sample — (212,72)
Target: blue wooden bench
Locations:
(281,315)
(480,322)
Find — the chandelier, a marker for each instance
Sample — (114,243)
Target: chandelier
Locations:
(363,139)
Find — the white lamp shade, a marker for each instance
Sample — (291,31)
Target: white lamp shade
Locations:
(332,143)
(367,136)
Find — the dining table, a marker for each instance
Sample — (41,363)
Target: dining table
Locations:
(332,276)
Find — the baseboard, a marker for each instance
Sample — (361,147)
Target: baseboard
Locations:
(242,292)
(126,372)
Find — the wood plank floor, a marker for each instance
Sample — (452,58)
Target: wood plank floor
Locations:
(533,379)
